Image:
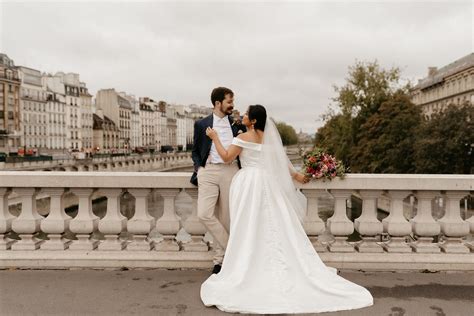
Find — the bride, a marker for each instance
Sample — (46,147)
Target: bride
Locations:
(270,265)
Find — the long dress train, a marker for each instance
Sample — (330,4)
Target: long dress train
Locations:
(270,265)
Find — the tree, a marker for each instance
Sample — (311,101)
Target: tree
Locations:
(386,140)
(367,87)
(445,141)
(287,133)
(334,137)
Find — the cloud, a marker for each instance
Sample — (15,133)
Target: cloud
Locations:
(286,56)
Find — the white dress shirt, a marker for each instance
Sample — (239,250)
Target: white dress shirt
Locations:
(224,130)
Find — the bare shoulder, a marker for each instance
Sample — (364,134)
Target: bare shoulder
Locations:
(244,136)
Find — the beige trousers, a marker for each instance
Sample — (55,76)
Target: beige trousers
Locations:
(213,203)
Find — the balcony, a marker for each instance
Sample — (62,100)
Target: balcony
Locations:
(411,237)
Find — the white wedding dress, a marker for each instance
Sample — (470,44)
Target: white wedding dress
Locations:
(270,265)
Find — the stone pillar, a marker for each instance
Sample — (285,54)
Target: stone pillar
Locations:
(28,223)
(339,225)
(85,222)
(423,224)
(141,223)
(194,227)
(368,226)
(113,223)
(470,221)
(453,226)
(396,224)
(312,223)
(168,225)
(57,221)
(6,219)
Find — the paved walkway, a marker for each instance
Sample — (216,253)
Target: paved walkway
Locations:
(176,292)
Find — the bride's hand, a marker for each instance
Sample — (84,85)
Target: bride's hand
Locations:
(211,133)
(301,178)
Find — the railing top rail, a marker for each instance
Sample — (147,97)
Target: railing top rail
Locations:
(105,179)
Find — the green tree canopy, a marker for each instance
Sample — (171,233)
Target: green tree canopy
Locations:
(386,139)
(445,141)
(367,87)
(287,133)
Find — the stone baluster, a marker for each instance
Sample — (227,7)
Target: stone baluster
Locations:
(141,223)
(423,224)
(113,223)
(368,226)
(470,221)
(396,225)
(28,222)
(85,222)
(313,225)
(57,221)
(6,219)
(339,224)
(453,227)
(194,227)
(168,225)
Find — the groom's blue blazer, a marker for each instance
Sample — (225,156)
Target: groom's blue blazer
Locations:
(202,143)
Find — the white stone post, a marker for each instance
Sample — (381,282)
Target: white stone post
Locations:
(113,223)
(423,224)
(6,219)
(194,227)
(57,221)
(313,225)
(339,224)
(452,225)
(168,225)
(470,220)
(396,225)
(141,223)
(368,226)
(28,223)
(85,222)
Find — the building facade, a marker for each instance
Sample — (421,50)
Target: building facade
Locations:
(117,107)
(86,119)
(451,84)
(106,134)
(57,131)
(10,121)
(78,109)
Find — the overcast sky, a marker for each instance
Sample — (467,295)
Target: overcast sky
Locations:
(284,55)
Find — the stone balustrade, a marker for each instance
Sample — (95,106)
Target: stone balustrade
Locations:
(134,162)
(399,241)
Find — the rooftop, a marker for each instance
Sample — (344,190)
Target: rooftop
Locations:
(439,75)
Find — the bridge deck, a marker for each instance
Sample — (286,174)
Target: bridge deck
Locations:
(176,292)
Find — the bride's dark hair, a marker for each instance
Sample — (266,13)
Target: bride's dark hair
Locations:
(257,112)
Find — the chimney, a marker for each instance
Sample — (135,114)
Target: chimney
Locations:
(432,71)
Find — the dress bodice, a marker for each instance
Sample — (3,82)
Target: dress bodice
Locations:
(251,152)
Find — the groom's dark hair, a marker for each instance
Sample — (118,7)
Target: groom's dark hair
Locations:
(219,93)
(257,112)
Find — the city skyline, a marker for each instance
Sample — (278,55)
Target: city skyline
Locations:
(275,54)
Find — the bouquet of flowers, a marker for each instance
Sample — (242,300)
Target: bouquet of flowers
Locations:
(319,165)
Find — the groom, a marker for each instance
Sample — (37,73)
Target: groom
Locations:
(211,174)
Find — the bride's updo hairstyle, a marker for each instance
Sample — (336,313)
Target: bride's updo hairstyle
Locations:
(257,112)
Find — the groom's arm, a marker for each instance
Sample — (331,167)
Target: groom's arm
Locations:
(195,153)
